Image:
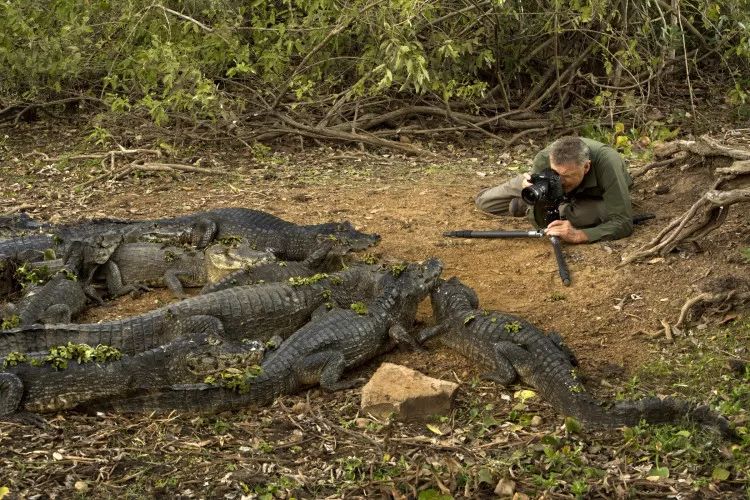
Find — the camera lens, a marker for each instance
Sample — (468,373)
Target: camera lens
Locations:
(532,194)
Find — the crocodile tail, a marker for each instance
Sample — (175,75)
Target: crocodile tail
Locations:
(652,410)
(558,386)
(669,410)
(199,398)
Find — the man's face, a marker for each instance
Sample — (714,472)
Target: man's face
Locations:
(571,174)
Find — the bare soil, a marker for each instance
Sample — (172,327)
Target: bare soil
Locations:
(609,316)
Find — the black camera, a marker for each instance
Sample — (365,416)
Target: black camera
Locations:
(545,188)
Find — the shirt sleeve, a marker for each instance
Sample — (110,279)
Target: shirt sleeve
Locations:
(612,178)
(541,161)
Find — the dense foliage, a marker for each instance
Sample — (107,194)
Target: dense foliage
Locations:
(226,61)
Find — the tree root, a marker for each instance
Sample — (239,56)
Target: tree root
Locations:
(710,298)
(711,209)
(704,147)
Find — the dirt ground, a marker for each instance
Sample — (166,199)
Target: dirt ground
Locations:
(608,315)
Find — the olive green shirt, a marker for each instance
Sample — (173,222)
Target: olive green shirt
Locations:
(608,180)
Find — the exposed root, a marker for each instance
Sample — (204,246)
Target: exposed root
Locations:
(711,209)
(706,214)
(712,298)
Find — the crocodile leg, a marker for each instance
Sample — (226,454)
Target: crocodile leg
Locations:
(115,285)
(57,313)
(203,232)
(433,331)
(172,280)
(503,372)
(91,293)
(557,339)
(11,391)
(316,258)
(399,334)
(327,367)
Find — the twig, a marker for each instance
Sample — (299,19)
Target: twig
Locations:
(704,147)
(568,75)
(170,167)
(115,174)
(656,164)
(335,31)
(522,134)
(682,19)
(667,330)
(329,133)
(687,67)
(96,156)
(185,17)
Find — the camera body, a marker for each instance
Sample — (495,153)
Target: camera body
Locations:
(545,193)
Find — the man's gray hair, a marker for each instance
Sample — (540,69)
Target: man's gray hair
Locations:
(567,150)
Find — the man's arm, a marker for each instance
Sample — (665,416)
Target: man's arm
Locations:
(614,183)
(564,230)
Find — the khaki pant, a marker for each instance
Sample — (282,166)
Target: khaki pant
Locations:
(582,212)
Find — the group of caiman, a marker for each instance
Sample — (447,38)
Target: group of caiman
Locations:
(289,312)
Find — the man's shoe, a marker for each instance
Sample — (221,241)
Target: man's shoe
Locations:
(517,207)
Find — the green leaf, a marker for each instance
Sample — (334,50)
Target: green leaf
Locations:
(433,494)
(524,394)
(485,476)
(572,425)
(4,490)
(434,429)
(683,433)
(657,473)
(719,474)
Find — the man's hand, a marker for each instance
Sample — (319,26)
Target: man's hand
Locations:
(526,181)
(564,230)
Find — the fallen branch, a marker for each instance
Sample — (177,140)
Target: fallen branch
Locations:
(328,133)
(500,121)
(667,330)
(711,209)
(171,167)
(16,111)
(107,154)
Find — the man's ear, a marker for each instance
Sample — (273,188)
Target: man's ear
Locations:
(586,167)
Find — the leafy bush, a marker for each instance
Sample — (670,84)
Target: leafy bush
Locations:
(215,61)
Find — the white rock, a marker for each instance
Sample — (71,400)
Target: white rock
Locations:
(406,393)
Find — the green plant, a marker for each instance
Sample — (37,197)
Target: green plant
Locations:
(359,307)
(557,296)
(234,378)
(512,327)
(307,280)
(397,269)
(32,276)
(59,356)
(14,358)
(10,322)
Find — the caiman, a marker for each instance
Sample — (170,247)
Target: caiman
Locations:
(318,353)
(512,349)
